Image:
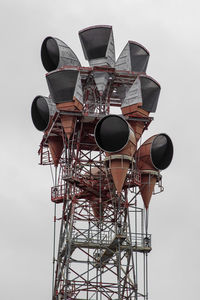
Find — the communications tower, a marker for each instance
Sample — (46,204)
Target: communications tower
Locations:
(101,169)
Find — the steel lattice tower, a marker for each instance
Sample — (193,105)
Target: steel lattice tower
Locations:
(103,244)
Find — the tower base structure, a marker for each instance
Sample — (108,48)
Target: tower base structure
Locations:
(103,244)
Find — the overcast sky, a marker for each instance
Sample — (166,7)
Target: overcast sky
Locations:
(170,31)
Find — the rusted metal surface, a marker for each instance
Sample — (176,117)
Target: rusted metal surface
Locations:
(56,148)
(88,194)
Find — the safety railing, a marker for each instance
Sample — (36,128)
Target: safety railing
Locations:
(58,193)
(140,240)
(45,157)
(106,238)
(92,236)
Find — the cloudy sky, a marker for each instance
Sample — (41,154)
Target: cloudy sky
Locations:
(170,31)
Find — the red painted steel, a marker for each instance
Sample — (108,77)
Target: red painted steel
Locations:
(93,191)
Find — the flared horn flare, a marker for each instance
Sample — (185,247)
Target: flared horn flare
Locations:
(114,136)
(42,110)
(56,54)
(66,91)
(134,57)
(56,148)
(154,155)
(98,45)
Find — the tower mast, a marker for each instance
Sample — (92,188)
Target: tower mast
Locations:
(100,174)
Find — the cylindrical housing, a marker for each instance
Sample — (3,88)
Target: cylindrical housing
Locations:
(41,110)
(156,153)
(112,134)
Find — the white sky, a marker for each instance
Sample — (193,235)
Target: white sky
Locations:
(170,31)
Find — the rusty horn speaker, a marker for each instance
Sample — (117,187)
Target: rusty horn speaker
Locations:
(56,54)
(42,111)
(66,91)
(154,155)
(114,136)
(98,45)
(140,100)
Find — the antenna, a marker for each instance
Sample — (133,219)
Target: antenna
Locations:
(103,179)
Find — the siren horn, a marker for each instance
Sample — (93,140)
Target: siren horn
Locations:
(154,155)
(140,99)
(145,92)
(66,91)
(134,57)
(114,136)
(41,110)
(98,45)
(112,133)
(56,54)
(150,93)
(65,85)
